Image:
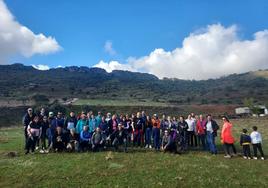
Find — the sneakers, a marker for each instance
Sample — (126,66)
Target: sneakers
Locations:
(36,148)
(245,157)
(41,151)
(262,158)
(255,158)
(150,147)
(249,158)
(227,156)
(146,146)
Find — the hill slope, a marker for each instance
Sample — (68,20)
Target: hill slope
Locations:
(23,83)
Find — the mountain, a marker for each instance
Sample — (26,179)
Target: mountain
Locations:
(24,83)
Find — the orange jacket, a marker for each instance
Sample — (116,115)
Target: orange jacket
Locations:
(226,133)
(156,123)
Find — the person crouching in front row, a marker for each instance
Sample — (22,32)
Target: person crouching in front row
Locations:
(168,143)
(85,138)
(73,141)
(97,140)
(59,140)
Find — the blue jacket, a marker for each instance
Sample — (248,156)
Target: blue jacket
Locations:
(92,123)
(85,136)
(79,126)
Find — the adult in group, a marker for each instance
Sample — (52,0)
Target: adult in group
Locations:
(92,124)
(45,126)
(227,138)
(156,132)
(81,123)
(201,132)
(148,132)
(211,132)
(85,139)
(168,143)
(51,129)
(182,129)
(27,118)
(70,122)
(34,132)
(191,130)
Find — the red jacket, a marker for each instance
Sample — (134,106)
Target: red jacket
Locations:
(201,127)
(226,133)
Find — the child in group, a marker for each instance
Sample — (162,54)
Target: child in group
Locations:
(245,142)
(256,141)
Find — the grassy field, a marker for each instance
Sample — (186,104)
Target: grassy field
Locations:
(138,168)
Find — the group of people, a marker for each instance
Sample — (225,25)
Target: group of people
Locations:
(87,132)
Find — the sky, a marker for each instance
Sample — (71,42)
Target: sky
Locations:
(185,39)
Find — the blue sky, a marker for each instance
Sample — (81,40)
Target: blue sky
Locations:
(134,28)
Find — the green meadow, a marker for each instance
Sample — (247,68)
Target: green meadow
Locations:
(137,168)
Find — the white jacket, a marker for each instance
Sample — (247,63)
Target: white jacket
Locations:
(255,137)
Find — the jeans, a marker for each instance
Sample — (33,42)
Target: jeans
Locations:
(148,135)
(259,147)
(156,137)
(201,141)
(211,143)
(50,134)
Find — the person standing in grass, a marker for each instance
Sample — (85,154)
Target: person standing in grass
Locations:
(98,119)
(45,126)
(52,129)
(182,129)
(70,122)
(227,138)
(34,130)
(201,132)
(148,132)
(191,130)
(211,132)
(92,124)
(256,141)
(104,129)
(156,132)
(138,125)
(245,142)
(163,126)
(27,118)
(81,123)
(60,120)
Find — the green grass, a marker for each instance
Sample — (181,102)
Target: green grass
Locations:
(138,168)
(106,102)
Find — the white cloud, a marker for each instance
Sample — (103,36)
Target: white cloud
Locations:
(113,65)
(16,39)
(108,47)
(210,52)
(41,67)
